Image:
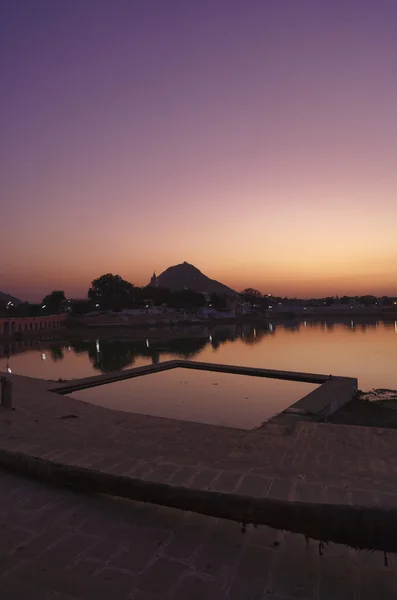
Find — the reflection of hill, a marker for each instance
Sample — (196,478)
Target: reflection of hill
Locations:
(186,347)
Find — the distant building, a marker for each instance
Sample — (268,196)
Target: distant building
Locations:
(153,281)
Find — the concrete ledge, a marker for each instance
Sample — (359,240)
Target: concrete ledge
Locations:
(333,392)
(326,399)
(79,384)
(88,382)
(357,526)
(256,372)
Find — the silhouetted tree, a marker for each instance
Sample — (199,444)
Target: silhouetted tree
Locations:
(54,302)
(367,300)
(111,291)
(251,293)
(186,299)
(218,301)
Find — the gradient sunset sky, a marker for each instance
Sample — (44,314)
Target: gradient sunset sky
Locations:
(256,139)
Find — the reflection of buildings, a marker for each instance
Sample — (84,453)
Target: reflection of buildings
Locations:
(17,346)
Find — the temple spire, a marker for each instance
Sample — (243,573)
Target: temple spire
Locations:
(153,281)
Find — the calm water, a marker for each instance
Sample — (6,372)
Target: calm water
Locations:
(202,396)
(367,350)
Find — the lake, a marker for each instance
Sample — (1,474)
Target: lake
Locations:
(366,349)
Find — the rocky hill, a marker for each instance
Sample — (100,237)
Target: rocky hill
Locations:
(188,276)
(6,298)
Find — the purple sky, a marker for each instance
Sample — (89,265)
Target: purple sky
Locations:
(256,139)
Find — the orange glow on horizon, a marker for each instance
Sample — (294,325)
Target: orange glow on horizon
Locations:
(258,145)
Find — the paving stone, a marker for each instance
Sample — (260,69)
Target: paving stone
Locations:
(203,479)
(188,539)
(183,476)
(12,537)
(337,578)
(194,587)
(73,583)
(254,485)
(377,560)
(86,567)
(296,571)
(278,597)
(226,482)
(251,575)
(61,596)
(280,489)
(263,536)
(362,498)
(8,562)
(221,551)
(106,464)
(54,514)
(40,543)
(137,556)
(41,498)
(121,581)
(308,492)
(336,494)
(106,548)
(387,500)
(168,518)
(67,550)
(162,577)
(12,589)
(376,583)
(162,473)
(145,595)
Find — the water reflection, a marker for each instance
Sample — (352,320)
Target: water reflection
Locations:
(56,352)
(309,345)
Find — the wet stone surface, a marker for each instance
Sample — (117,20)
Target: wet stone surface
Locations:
(58,545)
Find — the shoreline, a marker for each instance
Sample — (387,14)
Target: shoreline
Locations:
(143,329)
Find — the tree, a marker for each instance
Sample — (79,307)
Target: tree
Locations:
(186,299)
(218,301)
(110,291)
(367,300)
(55,301)
(251,293)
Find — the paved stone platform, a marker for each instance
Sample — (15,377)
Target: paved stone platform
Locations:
(306,461)
(64,545)
(59,545)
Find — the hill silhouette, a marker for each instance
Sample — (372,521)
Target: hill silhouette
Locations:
(188,276)
(5,298)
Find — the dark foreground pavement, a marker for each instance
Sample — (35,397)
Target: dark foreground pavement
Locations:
(59,545)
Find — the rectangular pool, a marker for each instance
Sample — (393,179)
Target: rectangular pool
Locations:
(201,396)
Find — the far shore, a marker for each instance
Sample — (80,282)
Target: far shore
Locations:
(149,327)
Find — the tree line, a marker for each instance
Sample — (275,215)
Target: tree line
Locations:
(112,292)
